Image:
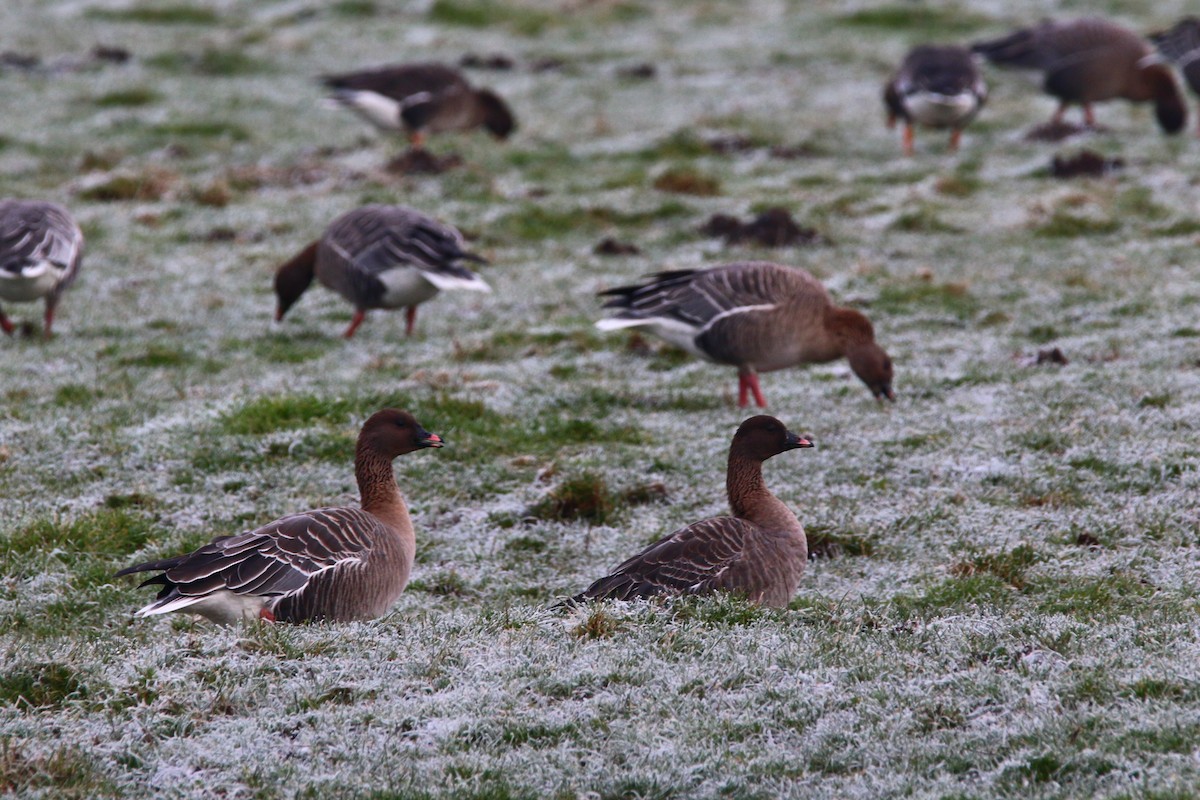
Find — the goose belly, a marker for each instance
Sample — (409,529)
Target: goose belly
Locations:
(379,110)
(31,283)
(940,110)
(404,286)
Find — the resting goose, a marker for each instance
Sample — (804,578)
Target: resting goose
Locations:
(756,316)
(938,87)
(419,99)
(759,552)
(1091,60)
(332,564)
(1181,46)
(380,256)
(41,248)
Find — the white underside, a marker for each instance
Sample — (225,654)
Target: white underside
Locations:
(223,607)
(34,282)
(677,333)
(380,111)
(941,110)
(408,286)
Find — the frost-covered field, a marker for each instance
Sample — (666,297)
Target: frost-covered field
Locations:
(1004,602)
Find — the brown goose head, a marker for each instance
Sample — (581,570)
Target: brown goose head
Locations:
(1169,108)
(873,366)
(497,117)
(764,436)
(392,432)
(293,278)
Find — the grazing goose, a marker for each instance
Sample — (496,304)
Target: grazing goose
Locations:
(759,552)
(333,564)
(41,248)
(1088,61)
(380,256)
(756,316)
(419,99)
(938,87)
(1181,46)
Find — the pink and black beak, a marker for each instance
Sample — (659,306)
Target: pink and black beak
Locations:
(793,441)
(427,439)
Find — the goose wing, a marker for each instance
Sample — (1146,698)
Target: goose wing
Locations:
(275,560)
(374,239)
(35,233)
(401,82)
(700,298)
(705,556)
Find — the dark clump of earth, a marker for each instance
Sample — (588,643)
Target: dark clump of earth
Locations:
(1087,163)
(1051,356)
(422,162)
(495,61)
(1057,131)
(608,246)
(774,227)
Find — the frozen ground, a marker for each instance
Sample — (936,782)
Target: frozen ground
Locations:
(1005,605)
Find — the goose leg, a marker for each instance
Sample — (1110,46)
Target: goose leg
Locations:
(955,137)
(359,316)
(1058,115)
(908,139)
(747,384)
(416,140)
(48,318)
(6,324)
(1089,118)
(410,320)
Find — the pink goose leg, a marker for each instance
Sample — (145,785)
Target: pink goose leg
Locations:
(49,320)
(747,383)
(6,324)
(410,320)
(359,316)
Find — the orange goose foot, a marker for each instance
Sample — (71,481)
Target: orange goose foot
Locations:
(266,616)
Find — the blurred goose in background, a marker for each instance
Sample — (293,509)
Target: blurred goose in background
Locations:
(1181,46)
(756,316)
(760,552)
(420,99)
(330,564)
(41,248)
(380,256)
(1088,61)
(938,87)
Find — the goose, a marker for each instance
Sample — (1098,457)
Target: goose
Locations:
(331,564)
(938,87)
(41,248)
(759,552)
(756,316)
(420,98)
(1181,46)
(380,256)
(1091,60)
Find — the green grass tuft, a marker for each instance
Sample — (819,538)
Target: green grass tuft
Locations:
(490,13)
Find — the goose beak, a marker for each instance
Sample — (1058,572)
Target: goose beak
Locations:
(432,440)
(885,393)
(793,441)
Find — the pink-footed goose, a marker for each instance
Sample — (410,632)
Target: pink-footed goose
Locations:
(760,552)
(380,256)
(419,99)
(1181,46)
(331,564)
(1088,61)
(41,248)
(756,316)
(938,87)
